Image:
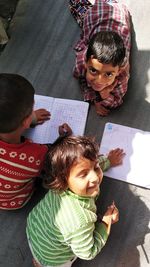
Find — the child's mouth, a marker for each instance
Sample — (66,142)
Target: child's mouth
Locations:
(98,87)
(93,187)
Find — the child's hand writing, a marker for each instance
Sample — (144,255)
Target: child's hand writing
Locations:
(113,213)
(111,216)
(64,130)
(115,157)
(101,110)
(40,115)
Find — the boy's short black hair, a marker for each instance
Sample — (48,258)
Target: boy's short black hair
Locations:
(64,153)
(107,47)
(16,101)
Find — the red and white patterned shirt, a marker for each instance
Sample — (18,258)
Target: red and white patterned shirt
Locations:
(100,17)
(19,165)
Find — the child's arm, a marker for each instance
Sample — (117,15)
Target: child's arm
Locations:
(100,109)
(39,116)
(88,240)
(114,158)
(92,236)
(87,237)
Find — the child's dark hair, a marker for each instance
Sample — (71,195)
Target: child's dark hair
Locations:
(63,154)
(107,47)
(16,101)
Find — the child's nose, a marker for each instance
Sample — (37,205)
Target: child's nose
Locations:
(100,79)
(93,177)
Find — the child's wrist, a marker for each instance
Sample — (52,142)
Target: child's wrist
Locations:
(108,164)
(102,220)
(34,119)
(106,220)
(106,224)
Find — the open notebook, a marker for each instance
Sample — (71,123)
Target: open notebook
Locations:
(73,112)
(136,144)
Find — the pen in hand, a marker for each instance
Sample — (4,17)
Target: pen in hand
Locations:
(113,205)
(65,130)
(114,213)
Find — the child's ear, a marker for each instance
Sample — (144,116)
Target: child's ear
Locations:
(27,122)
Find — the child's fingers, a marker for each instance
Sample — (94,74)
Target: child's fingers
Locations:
(101,110)
(117,152)
(113,203)
(116,156)
(115,218)
(43,113)
(112,207)
(65,130)
(120,152)
(66,127)
(115,214)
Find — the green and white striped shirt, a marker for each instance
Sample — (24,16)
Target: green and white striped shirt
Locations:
(64,225)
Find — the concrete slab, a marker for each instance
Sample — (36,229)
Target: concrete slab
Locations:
(43,34)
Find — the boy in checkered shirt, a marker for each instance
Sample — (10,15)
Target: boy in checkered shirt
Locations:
(102,53)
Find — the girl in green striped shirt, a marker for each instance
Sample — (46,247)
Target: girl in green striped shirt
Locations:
(64,224)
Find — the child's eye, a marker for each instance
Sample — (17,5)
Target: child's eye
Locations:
(83,174)
(109,74)
(97,167)
(92,70)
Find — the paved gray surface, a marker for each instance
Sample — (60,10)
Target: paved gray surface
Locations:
(41,48)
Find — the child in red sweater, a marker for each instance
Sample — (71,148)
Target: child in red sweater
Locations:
(21,160)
